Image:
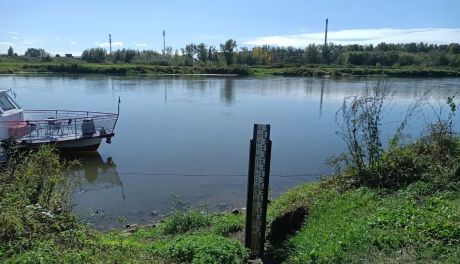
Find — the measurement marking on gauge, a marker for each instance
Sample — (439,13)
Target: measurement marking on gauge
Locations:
(258,179)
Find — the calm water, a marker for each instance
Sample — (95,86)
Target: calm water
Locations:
(187,139)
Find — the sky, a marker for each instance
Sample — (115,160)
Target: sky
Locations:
(71,26)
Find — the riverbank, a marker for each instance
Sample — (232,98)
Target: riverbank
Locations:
(323,222)
(73,66)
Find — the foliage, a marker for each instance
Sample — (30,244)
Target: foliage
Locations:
(432,158)
(208,248)
(183,221)
(402,60)
(10,52)
(34,199)
(383,58)
(360,128)
(202,52)
(37,225)
(228,49)
(36,53)
(227,224)
(95,55)
(364,226)
(401,205)
(124,55)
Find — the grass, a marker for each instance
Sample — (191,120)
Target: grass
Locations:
(365,226)
(349,71)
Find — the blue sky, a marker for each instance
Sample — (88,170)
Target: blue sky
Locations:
(72,26)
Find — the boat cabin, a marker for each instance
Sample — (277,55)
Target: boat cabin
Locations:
(11,115)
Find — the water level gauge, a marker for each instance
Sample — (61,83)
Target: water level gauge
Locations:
(258,176)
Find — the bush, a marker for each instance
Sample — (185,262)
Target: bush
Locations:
(181,222)
(202,249)
(35,199)
(227,224)
(433,158)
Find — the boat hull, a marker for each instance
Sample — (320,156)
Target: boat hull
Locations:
(76,144)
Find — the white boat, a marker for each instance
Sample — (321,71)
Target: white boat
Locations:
(66,130)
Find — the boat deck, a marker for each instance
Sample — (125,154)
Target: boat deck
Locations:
(49,138)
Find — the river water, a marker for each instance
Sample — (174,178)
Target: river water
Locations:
(185,140)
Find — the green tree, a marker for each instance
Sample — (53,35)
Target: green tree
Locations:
(312,54)
(10,52)
(189,51)
(228,50)
(202,52)
(36,53)
(454,48)
(212,54)
(94,55)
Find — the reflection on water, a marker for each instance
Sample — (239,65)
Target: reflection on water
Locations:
(321,98)
(189,137)
(94,173)
(226,92)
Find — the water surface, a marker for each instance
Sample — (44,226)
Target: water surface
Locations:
(187,139)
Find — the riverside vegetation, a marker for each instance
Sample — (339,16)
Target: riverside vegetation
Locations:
(403,60)
(385,204)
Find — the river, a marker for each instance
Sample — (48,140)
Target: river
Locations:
(185,140)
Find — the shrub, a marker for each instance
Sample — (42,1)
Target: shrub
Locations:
(227,224)
(180,222)
(432,158)
(35,199)
(202,249)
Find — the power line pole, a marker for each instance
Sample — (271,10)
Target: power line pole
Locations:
(164,42)
(110,43)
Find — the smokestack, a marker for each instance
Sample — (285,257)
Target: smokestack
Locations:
(164,42)
(325,34)
(110,43)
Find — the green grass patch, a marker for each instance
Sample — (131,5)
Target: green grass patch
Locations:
(365,226)
(201,248)
(181,222)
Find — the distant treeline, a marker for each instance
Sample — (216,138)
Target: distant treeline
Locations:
(383,54)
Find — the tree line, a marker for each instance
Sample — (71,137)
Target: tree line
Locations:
(383,54)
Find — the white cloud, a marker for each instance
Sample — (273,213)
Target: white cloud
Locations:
(141,45)
(14,38)
(13,33)
(363,36)
(210,36)
(32,41)
(6,43)
(115,44)
(73,43)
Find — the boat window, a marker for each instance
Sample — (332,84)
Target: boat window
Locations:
(6,104)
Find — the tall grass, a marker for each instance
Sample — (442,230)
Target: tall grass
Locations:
(35,199)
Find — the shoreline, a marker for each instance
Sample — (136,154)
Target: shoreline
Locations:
(322,71)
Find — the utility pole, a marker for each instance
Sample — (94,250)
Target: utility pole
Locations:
(164,42)
(110,43)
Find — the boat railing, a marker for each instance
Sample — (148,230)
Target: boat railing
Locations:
(53,124)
